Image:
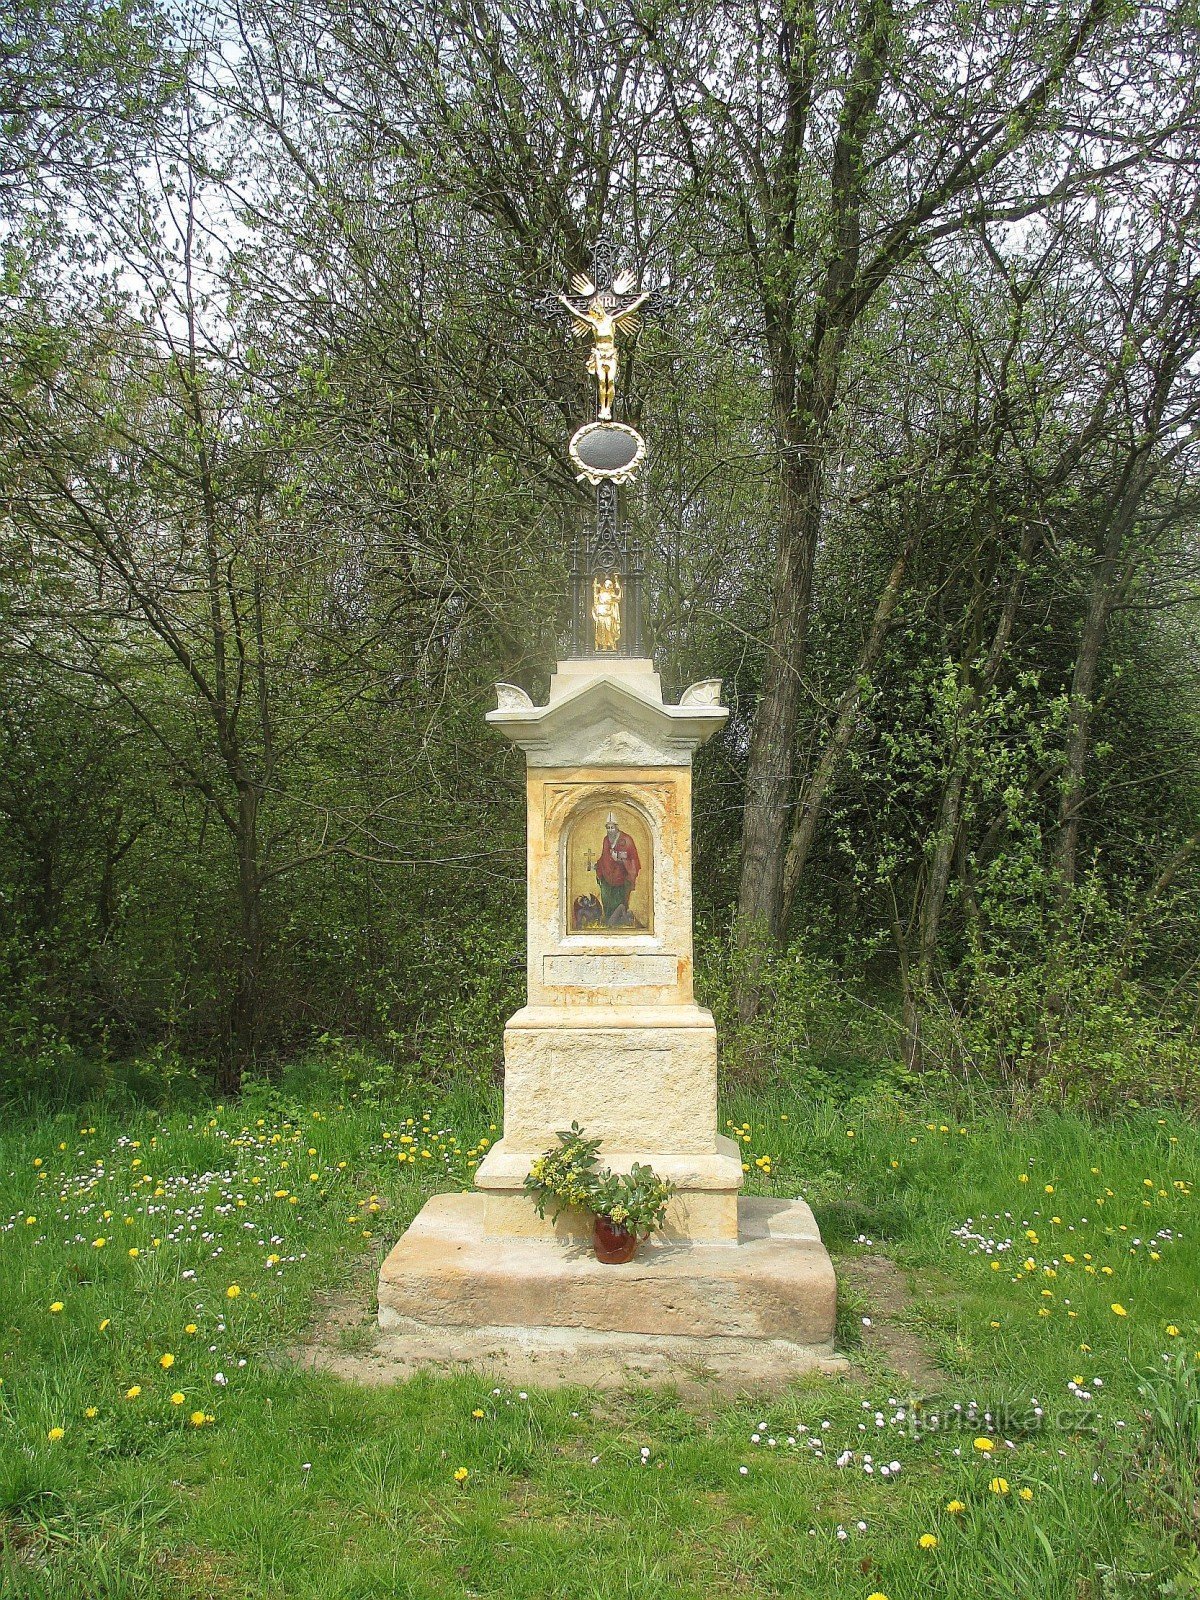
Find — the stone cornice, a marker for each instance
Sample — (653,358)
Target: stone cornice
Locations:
(609,714)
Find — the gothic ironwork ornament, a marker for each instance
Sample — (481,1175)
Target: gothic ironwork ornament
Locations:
(604,305)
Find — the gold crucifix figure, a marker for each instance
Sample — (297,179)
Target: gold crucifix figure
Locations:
(606,611)
(603,315)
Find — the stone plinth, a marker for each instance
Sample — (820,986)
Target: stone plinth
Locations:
(447,1275)
(641,1077)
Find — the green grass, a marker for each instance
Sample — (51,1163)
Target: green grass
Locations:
(292,1483)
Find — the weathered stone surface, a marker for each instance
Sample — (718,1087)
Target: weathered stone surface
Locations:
(552,1357)
(704,1216)
(625,969)
(641,1079)
(719,1168)
(776,1284)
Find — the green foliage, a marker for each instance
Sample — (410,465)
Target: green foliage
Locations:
(635,1200)
(285,492)
(1171,1438)
(817,1029)
(1071,1027)
(567,1175)
(83,83)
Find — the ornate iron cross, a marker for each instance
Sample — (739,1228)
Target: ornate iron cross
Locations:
(607,569)
(602,305)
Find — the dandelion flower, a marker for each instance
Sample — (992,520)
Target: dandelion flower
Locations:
(177,1398)
(104,1323)
(191,1328)
(133,1391)
(56,1307)
(197,1419)
(166,1361)
(1172,1331)
(90,1412)
(98,1244)
(134,1252)
(232,1292)
(1025,1494)
(55,1435)
(460,1474)
(928,1541)
(999,1486)
(985,1445)
(1118,1310)
(477,1412)
(955,1508)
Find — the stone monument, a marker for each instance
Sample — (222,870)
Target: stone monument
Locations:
(611,1036)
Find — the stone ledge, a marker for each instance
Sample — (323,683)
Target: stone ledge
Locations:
(703,1208)
(607,712)
(552,1357)
(694,1216)
(590,1017)
(507,1169)
(777,1283)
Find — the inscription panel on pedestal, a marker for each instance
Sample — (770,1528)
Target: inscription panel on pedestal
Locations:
(627,970)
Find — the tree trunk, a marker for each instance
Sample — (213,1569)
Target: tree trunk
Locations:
(245,1009)
(812,800)
(910,1002)
(805,377)
(771,757)
(938,881)
(1079,737)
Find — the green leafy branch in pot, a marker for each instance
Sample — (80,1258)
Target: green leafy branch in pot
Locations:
(567,1175)
(636,1200)
(564,1176)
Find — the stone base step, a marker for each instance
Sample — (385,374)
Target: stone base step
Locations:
(776,1283)
(552,1357)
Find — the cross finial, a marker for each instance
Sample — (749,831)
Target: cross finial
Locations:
(601,305)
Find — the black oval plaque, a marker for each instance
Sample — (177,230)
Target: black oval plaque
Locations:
(611,450)
(607,449)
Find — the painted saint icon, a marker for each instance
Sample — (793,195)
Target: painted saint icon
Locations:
(609,874)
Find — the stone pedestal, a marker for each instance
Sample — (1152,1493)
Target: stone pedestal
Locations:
(613,1039)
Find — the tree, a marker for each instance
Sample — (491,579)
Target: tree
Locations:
(830,154)
(82,89)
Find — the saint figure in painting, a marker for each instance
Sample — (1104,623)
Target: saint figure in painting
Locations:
(617,874)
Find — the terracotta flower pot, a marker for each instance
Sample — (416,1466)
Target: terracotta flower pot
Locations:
(611,1242)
